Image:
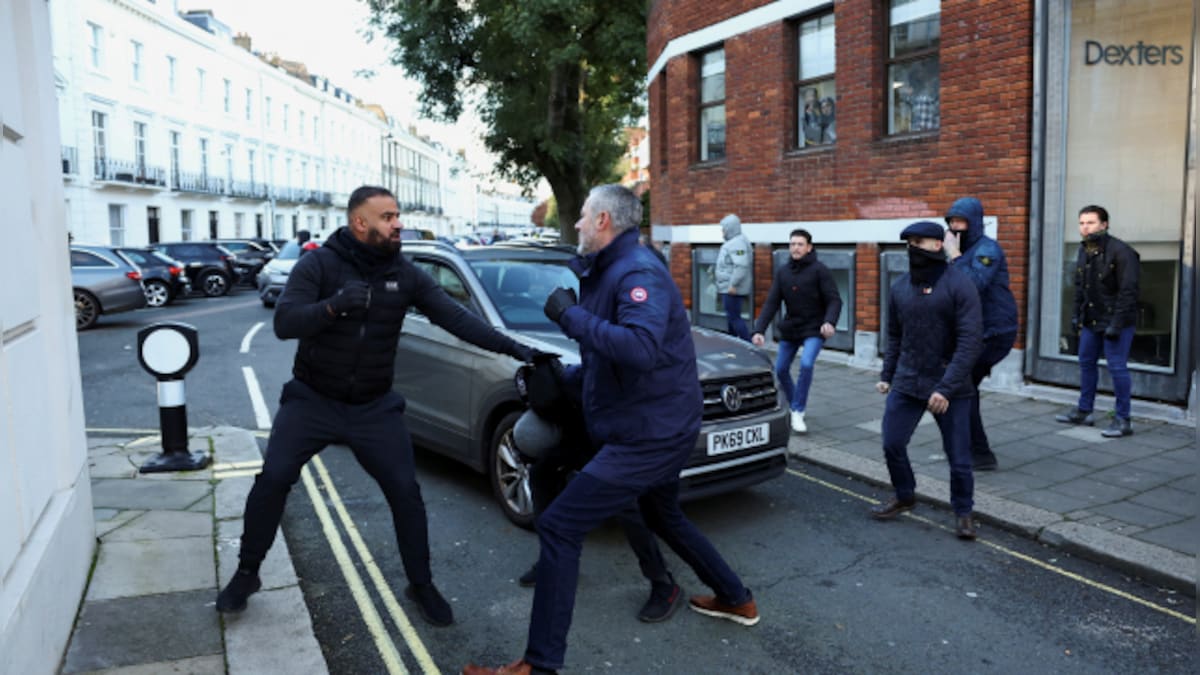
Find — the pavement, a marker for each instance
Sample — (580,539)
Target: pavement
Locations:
(166,541)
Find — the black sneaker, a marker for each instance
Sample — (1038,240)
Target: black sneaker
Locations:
(984,461)
(1119,427)
(432,605)
(1076,416)
(233,598)
(529,579)
(664,600)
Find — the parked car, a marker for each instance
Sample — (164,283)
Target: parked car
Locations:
(163,278)
(250,256)
(209,266)
(274,275)
(462,401)
(416,234)
(103,283)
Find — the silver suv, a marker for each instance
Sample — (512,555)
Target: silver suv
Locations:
(462,402)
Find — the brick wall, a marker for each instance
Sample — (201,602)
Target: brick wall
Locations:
(981,149)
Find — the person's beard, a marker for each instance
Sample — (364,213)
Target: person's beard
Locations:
(381,242)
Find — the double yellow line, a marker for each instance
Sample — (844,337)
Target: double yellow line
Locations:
(1014,554)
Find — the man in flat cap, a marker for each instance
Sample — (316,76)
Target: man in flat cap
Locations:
(934,335)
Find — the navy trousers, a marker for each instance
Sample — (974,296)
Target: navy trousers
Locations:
(900,419)
(586,503)
(375,431)
(995,348)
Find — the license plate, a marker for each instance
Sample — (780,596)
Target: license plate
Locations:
(721,442)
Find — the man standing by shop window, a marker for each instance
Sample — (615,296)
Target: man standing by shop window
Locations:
(1105,316)
(933,339)
(981,258)
(811,298)
(733,274)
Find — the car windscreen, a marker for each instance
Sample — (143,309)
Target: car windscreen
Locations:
(290,251)
(519,288)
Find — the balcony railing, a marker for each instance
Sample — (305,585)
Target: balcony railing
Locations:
(243,189)
(132,173)
(318,198)
(284,193)
(70,161)
(199,182)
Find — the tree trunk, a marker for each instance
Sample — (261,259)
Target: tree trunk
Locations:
(566,174)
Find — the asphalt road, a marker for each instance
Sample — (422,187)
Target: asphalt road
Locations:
(837,592)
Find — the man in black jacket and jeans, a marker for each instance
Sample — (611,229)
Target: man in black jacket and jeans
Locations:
(1105,316)
(934,335)
(346,302)
(807,291)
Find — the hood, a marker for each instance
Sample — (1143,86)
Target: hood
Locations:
(731,226)
(355,252)
(719,355)
(808,259)
(971,209)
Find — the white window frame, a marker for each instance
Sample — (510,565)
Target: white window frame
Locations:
(171,75)
(136,64)
(96,45)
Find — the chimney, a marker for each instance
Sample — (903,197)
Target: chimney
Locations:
(243,40)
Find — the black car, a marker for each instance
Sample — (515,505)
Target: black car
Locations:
(250,256)
(210,267)
(163,278)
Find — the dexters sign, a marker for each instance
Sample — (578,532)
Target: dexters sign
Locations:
(1140,54)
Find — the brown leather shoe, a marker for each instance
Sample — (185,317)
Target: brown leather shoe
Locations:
(965,527)
(892,509)
(514,668)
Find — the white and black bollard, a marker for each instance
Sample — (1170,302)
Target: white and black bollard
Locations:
(168,350)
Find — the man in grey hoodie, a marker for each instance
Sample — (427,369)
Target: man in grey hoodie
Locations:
(733,274)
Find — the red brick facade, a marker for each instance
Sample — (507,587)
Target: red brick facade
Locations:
(982,147)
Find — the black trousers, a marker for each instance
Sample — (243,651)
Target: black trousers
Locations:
(375,431)
(548,477)
(995,348)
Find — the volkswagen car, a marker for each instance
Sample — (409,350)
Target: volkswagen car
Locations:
(463,403)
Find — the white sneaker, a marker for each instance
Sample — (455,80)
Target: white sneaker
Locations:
(798,424)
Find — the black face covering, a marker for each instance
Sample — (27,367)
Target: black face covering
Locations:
(1094,242)
(925,267)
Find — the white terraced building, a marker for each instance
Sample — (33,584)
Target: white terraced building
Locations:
(172,129)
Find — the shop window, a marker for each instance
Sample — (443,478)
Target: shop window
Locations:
(712,106)
(816,100)
(707,310)
(914,80)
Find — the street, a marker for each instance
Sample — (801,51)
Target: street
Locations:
(837,591)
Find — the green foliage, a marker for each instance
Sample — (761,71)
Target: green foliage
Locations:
(645,224)
(554,81)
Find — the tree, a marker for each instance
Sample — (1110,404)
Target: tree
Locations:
(554,81)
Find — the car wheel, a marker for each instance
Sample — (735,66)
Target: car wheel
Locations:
(214,284)
(87,312)
(157,293)
(510,474)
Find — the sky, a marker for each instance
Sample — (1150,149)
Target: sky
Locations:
(327,37)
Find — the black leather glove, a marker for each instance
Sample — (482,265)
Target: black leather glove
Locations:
(355,294)
(560,301)
(1112,332)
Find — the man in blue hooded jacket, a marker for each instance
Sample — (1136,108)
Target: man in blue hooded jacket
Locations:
(642,406)
(981,258)
(933,339)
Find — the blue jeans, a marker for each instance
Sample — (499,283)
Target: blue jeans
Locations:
(797,394)
(900,419)
(587,502)
(733,316)
(1116,352)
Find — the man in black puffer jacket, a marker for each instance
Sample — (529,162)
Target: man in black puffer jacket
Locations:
(1105,316)
(807,291)
(346,302)
(934,335)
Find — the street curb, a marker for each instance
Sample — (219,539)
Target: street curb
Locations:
(276,626)
(1154,563)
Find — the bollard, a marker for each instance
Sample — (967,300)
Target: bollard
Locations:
(168,350)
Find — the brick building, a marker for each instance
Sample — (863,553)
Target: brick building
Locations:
(853,118)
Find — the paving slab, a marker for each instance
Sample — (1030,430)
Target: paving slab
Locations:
(158,525)
(143,630)
(116,465)
(147,495)
(197,665)
(119,518)
(276,617)
(276,570)
(1155,563)
(1053,469)
(1092,491)
(130,568)
(1136,514)
(1168,499)
(231,495)
(1183,534)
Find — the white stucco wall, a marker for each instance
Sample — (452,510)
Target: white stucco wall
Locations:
(46,531)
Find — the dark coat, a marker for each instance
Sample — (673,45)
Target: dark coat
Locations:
(983,261)
(637,375)
(1106,285)
(934,336)
(352,358)
(808,293)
